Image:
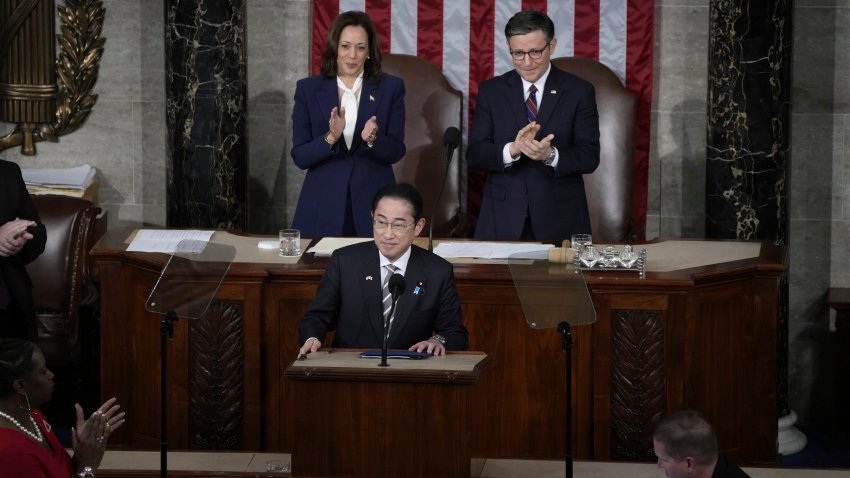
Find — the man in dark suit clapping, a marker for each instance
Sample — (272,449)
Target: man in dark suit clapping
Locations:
(22,239)
(536,132)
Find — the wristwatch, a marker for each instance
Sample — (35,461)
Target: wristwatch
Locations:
(86,473)
(548,161)
(439,338)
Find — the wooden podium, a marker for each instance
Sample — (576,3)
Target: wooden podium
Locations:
(354,418)
(692,334)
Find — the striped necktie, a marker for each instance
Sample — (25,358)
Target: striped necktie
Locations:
(388,297)
(531,103)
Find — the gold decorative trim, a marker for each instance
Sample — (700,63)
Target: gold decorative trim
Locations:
(27,92)
(81,48)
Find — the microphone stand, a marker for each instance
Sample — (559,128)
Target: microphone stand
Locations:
(449,153)
(566,343)
(166,333)
(386,334)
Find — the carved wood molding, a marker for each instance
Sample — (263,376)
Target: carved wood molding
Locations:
(216,378)
(637,383)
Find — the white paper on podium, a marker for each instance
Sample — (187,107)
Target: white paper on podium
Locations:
(327,245)
(490,250)
(165,240)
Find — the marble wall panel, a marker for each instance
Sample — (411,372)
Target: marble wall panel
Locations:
(277,38)
(120,68)
(680,180)
(677,144)
(817,88)
(812,152)
(152,45)
(808,314)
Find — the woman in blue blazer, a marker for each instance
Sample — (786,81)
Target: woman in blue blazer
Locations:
(347,131)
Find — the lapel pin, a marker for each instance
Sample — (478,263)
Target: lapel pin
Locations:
(368,277)
(420,288)
(371,98)
(553,92)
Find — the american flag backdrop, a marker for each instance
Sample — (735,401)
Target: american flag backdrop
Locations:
(465,39)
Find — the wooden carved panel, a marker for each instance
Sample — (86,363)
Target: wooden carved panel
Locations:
(216,379)
(637,383)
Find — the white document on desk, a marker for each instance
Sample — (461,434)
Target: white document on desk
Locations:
(327,245)
(490,250)
(166,240)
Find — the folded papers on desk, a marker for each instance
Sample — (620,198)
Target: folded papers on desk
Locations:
(327,245)
(491,250)
(166,240)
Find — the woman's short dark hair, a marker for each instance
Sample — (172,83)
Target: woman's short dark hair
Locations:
(403,191)
(372,67)
(528,21)
(15,362)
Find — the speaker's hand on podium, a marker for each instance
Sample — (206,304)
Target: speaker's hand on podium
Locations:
(432,346)
(311,345)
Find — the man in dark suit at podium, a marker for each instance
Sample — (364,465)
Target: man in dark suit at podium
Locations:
(535,132)
(22,240)
(352,298)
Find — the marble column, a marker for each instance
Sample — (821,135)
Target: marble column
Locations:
(749,85)
(748,145)
(206,113)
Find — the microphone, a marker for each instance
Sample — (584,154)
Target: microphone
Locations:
(451,140)
(396,287)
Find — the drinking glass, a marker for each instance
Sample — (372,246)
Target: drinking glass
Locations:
(277,466)
(290,242)
(580,241)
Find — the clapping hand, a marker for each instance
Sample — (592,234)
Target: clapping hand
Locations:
(336,124)
(527,145)
(14,235)
(89,436)
(370,130)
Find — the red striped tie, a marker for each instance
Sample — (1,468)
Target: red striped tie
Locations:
(531,103)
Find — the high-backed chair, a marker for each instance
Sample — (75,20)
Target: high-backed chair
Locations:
(610,188)
(61,287)
(431,105)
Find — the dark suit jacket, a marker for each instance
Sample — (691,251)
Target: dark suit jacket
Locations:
(554,199)
(334,173)
(349,300)
(726,469)
(15,203)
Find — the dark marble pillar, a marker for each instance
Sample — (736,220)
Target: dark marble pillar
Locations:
(749,85)
(206,113)
(748,145)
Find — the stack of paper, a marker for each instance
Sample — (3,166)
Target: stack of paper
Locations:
(492,250)
(67,181)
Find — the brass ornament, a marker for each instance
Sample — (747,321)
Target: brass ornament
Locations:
(76,68)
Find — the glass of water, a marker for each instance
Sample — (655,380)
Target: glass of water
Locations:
(580,241)
(290,242)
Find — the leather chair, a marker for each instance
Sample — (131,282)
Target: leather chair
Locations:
(610,188)
(63,293)
(431,106)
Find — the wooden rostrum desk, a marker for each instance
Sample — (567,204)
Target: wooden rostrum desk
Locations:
(701,336)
